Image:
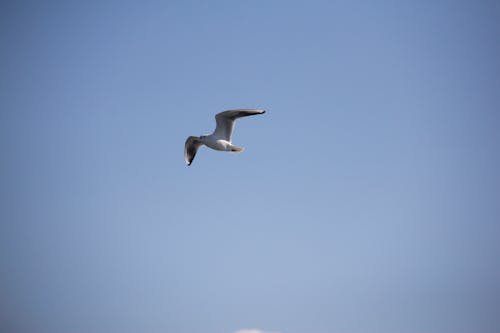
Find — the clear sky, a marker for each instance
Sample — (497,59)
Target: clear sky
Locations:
(367,199)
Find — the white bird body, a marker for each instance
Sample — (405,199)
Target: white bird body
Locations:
(212,141)
(220,139)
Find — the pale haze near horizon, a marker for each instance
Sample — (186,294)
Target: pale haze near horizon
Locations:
(366,200)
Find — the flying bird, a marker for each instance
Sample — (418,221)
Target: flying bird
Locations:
(220,139)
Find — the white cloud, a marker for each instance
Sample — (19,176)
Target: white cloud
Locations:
(253,330)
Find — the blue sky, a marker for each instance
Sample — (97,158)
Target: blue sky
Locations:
(366,200)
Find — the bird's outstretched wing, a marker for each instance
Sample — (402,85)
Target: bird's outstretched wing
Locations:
(225,121)
(190,148)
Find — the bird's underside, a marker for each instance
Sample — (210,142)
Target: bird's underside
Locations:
(220,139)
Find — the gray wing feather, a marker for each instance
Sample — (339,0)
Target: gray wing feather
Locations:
(225,121)
(190,148)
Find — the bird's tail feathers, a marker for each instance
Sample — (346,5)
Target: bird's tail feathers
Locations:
(235,149)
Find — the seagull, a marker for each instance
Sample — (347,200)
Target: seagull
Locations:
(220,139)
